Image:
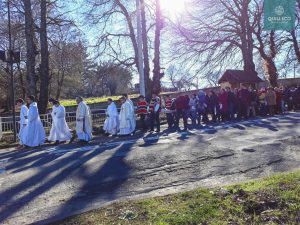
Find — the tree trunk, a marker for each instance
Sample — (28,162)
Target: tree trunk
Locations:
(31,51)
(272,72)
(44,68)
(156,71)
(148,84)
(23,88)
(247,39)
(295,45)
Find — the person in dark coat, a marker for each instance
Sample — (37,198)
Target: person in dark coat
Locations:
(213,105)
(231,103)
(223,100)
(244,97)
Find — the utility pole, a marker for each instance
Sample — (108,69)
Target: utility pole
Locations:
(140,48)
(11,71)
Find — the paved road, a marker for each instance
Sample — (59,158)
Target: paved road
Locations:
(42,185)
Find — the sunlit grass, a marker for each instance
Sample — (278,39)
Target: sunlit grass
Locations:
(273,200)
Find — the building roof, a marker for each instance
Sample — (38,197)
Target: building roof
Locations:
(239,76)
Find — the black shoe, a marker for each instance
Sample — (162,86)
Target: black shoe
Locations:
(71,140)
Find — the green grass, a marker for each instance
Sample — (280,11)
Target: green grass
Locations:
(273,200)
(94,100)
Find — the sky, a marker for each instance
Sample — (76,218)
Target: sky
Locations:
(172,9)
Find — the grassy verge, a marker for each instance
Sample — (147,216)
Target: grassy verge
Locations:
(71,102)
(273,200)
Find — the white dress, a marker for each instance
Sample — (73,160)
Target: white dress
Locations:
(111,124)
(59,130)
(127,125)
(35,133)
(133,116)
(23,123)
(83,122)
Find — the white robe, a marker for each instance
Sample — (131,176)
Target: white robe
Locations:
(84,122)
(127,125)
(23,124)
(35,133)
(111,124)
(59,130)
(133,115)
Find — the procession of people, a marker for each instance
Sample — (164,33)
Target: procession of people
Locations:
(204,107)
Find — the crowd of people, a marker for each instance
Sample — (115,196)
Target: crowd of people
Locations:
(32,132)
(203,107)
(229,104)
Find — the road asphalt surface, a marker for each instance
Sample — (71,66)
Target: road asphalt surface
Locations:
(47,184)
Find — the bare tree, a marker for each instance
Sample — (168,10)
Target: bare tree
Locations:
(44,66)
(157,75)
(31,49)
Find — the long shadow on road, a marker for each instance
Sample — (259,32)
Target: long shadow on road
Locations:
(12,200)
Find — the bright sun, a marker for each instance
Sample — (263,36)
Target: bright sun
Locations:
(173,8)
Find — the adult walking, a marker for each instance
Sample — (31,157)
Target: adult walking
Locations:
(35,133)
(181,111)
(60,132)
(142,111)
(111,124)
(23,120)
(271,101)
(83,121)
(126,124)
(154,108)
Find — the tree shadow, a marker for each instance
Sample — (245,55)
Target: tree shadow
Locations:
(53,174)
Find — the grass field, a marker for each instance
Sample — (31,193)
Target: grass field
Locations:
(95,100)
(273,200)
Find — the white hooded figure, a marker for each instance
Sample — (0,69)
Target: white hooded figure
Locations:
(127,118)
(83,121)
(35,133)
(60,131)
(23,120)
(132,112)
(111,124)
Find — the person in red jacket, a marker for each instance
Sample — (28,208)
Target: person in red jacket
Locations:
(142,111)
(182,105)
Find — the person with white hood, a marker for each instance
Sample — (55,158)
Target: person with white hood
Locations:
(60,131)
(127,121)
(111,124)
(23,120)
(132,111)
(84,125)
(35,133)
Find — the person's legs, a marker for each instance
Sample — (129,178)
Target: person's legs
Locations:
(193,115)
(152,121)
(169,120)
(157,120)
(177,119)
(143,122)
(184,117)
